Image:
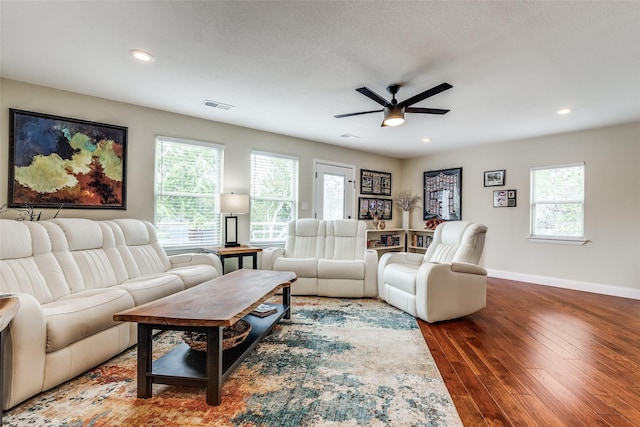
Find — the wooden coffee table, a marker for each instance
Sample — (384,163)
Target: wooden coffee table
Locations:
(208,308)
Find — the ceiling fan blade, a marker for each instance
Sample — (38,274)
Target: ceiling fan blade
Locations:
(424,95)
(372,95)
(425,110)
(339,116)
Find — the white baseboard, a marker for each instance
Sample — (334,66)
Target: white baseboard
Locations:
(596,288)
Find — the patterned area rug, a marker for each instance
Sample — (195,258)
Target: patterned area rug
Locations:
(337,362)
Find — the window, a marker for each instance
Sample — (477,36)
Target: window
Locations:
(188,179)
(557,202)
(274,196)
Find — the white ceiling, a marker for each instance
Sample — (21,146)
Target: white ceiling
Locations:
(289,66)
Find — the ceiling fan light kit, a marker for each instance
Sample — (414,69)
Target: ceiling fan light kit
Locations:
(393,116)
(394,110)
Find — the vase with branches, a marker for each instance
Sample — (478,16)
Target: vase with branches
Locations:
(28,213)
(407,202)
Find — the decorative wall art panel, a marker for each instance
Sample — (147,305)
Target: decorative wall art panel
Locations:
(370,207)
(375,183)
(56,161)
(443,194)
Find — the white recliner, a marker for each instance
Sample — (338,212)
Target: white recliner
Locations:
(446,282)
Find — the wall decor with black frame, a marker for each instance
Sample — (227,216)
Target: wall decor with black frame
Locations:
(494,178)
(504,199)
(368,207)
(443,194)
(375,183)
(56,161)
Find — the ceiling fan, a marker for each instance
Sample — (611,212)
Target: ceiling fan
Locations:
(394,110)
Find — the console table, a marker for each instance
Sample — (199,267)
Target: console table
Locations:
(235,252)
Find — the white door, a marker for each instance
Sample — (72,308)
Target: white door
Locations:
(334,190)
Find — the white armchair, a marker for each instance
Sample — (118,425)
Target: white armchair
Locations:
(444,283)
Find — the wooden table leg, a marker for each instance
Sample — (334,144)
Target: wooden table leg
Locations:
(145,353)
(214,365)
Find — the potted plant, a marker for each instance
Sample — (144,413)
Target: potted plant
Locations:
(407,202)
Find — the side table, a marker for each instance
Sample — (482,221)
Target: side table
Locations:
(8,307)
(235,252)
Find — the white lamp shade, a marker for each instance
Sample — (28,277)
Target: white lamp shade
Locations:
(234,203)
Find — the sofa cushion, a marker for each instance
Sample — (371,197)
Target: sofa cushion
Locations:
(444,253)
(303,267)
(27,264)
(80,233)
(138,245)
(15,241)
(23,275)
(340,269)
(192,275)
(86,252)
(135,232)
(346,239)
(401,276)
(79,315)
(151,287)
(305,238)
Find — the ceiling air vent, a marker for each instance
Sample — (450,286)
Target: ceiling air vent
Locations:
(218,105)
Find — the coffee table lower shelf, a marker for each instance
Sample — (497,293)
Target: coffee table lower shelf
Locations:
(185,367)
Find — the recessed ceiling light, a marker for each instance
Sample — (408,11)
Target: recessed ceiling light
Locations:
(426,139)
(141,55)
(564,111)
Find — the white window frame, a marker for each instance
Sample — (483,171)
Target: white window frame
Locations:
(561,239)
(292,198)
(188,241)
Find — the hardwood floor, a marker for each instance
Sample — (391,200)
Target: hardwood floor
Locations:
(542,356)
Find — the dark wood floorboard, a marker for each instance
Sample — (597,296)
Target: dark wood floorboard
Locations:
(542,356)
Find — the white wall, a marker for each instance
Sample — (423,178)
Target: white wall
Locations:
(609,262)
(143,126)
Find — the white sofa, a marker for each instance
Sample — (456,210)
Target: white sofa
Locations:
(446,282)
(330,258)
(71,276)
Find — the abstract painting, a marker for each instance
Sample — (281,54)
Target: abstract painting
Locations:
(57,161)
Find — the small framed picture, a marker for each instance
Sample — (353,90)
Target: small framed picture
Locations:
(504,198)
(494,178)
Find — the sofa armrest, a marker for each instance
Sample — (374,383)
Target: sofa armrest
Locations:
(268,257)
(370,273)
(447,291)
(401,257)
(183,260)
(465,267)
(396,257)
(24,352)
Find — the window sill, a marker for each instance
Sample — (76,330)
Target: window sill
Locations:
(557,240)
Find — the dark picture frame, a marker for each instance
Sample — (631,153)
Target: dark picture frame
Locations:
(494,178)
(58,161)
(370,206)
(504,198)
(443,194)
(375,183)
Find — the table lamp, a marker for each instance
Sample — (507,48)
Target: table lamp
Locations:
(232,204)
